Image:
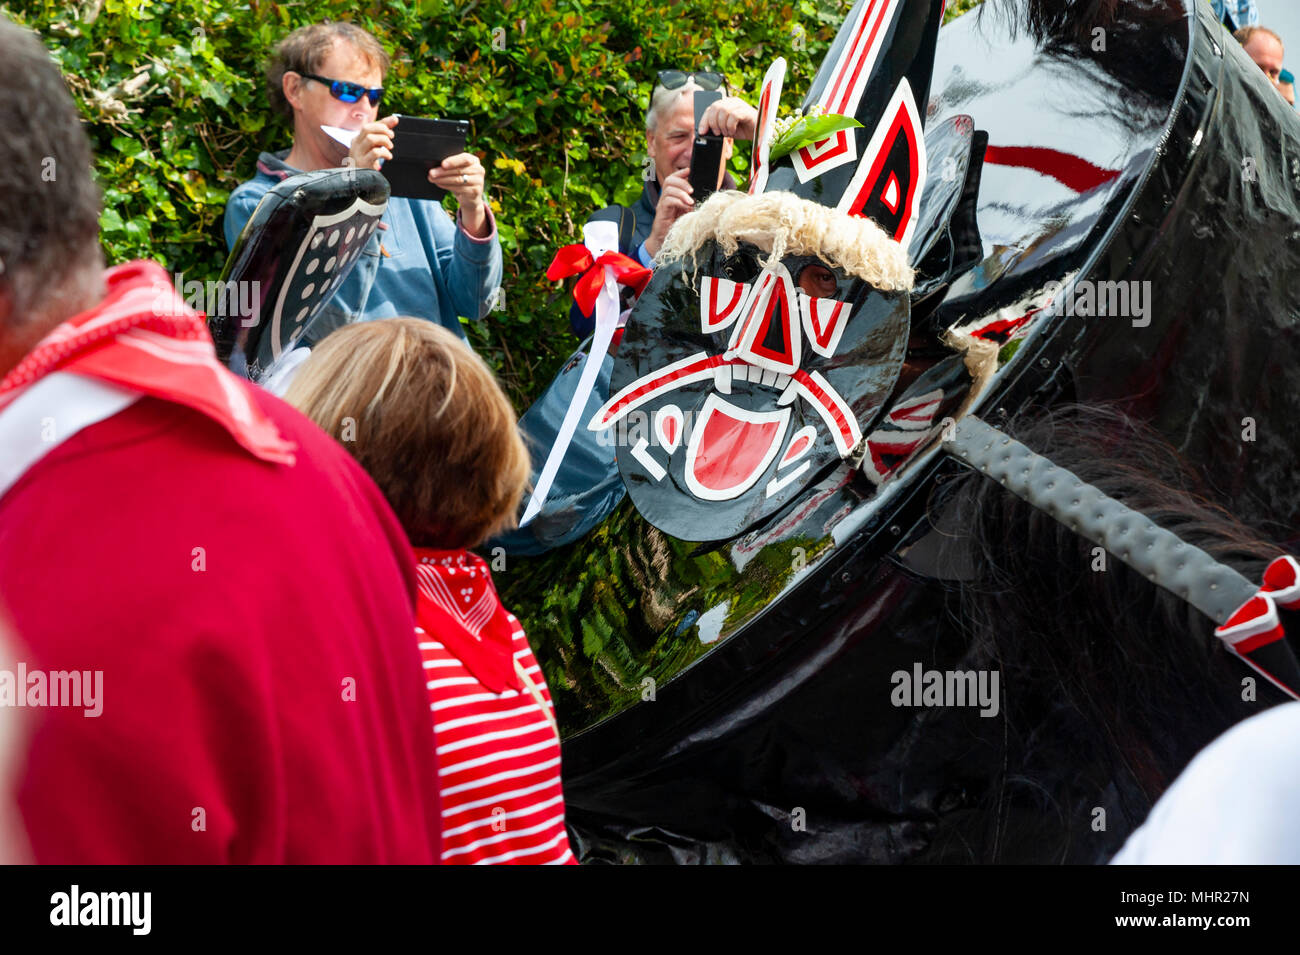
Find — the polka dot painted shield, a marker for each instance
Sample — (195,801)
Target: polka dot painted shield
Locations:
(324,257)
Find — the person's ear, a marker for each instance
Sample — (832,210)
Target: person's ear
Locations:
(291,85)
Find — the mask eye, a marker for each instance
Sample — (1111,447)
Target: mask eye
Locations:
(741,265)
(720,301)
(818,281)
(823,312)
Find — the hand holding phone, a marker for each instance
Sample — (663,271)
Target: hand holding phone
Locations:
(706,153)
(675,200)
(420,146)
(372,144)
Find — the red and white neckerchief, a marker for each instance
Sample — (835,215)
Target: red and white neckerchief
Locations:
(142,339)
(458,606)
(1255,633)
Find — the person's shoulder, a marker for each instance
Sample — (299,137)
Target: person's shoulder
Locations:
(1229,804)
(245,196)
(1271,737)
(159,500)
(242,201)
(178,459)
(270,172)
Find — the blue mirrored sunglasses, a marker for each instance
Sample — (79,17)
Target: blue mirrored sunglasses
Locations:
(347,92)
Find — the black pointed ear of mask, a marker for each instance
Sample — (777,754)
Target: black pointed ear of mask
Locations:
(947,243)
(878,71)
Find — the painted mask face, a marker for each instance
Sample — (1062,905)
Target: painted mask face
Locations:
(741,380)
(776,323)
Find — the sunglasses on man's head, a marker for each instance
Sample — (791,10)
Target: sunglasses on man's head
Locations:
(347,92)
(704,79)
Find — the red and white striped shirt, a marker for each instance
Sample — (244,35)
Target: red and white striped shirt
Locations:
(498,751)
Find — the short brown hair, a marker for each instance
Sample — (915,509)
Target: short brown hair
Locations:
(49,232)
(305,49)
(1243,35)
(426,418)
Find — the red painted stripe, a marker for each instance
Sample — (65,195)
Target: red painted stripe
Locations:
(824,400)
(813,161)
(1004,324)
(825,332)
(1073,172)
(661,381)
(717,317)
(901,445)
(859,56)
(921,414)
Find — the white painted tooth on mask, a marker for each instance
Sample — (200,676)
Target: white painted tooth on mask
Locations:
(740,372)
(787,396)
(782,382)
(722,379)
(769,377)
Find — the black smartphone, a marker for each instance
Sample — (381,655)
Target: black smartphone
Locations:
(706,153)
(419,145)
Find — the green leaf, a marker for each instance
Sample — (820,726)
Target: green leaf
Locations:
(808,131)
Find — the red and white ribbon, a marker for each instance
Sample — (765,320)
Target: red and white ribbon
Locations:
(603,267)
(1256,623)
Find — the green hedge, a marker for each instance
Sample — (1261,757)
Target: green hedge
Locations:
(555,92)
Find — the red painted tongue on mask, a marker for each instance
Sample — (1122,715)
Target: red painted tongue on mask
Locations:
(733,452)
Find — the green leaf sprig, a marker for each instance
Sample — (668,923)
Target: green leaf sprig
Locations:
(799,130)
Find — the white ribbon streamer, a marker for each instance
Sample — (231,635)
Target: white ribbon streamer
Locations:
(599,238)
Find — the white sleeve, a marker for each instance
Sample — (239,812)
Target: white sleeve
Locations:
(1236,803)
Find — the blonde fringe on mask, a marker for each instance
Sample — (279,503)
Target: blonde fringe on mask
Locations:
(781,224)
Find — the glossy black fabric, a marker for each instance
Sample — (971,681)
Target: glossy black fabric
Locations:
(731,702)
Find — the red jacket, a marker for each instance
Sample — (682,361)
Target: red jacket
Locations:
(263,701)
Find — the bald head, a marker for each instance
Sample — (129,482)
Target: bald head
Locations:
(1264,47)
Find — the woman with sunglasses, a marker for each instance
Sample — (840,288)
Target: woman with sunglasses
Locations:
(666,189)
(419,262)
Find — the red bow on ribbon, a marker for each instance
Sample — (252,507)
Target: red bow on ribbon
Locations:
(576,258)
(1256,622)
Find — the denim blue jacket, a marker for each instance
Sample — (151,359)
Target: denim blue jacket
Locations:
(423,265)
(1236,14)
